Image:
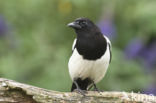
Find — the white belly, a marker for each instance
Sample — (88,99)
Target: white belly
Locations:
(93,69)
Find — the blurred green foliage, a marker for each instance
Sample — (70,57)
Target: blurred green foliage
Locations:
(38,45)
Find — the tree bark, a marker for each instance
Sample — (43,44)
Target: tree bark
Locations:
(14,92)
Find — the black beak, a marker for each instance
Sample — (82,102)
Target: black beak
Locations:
(74,25)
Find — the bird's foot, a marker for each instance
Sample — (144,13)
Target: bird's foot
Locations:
(82,92)
(96,89)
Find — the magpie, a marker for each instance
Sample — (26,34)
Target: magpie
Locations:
(91,55)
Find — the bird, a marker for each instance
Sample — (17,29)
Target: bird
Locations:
(91,55)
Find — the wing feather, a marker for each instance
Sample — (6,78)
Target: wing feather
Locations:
(110,47)
(73,46)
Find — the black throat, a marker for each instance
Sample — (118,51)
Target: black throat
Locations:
(91,46)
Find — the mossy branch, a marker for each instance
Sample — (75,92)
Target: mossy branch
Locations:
(14,92)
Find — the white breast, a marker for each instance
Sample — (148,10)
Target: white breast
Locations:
(93,69)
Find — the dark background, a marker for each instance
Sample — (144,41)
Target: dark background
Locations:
(35,43)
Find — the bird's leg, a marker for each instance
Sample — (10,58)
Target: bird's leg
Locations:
(93,85)
(95,88)
(78,89)
(90,87)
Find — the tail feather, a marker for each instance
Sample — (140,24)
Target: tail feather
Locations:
(73,87)
(83,84)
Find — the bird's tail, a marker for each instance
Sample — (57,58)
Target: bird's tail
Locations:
(73,87)
(83,84)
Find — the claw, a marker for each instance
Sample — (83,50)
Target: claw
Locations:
(78,90)
(82,92)
(96,89)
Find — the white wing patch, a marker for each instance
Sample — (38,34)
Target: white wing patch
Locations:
(74,43)
(108,41)
(110,47)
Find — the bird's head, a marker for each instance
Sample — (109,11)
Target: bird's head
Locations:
(83,25)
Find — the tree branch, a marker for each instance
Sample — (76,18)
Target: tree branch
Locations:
(14,92)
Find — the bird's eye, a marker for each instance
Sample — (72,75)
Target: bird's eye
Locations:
(83,23)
